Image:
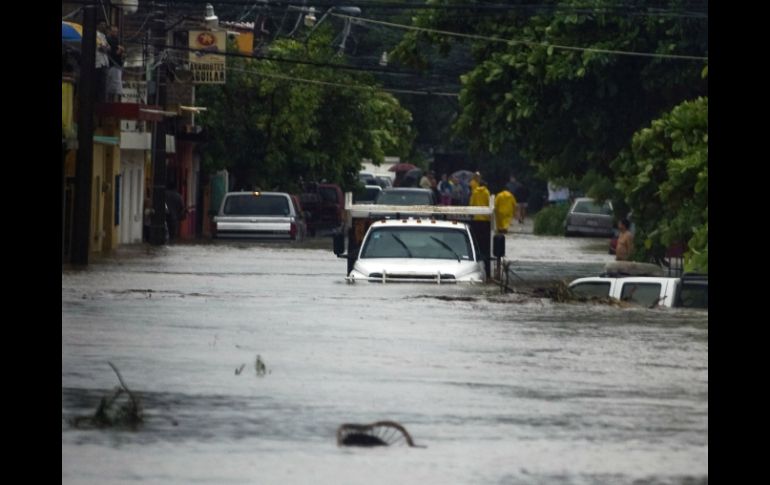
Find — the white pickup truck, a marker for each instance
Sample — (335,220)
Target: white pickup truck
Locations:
(689,291)
(419,243)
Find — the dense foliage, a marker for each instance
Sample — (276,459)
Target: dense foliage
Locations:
(551,83)
(269,129)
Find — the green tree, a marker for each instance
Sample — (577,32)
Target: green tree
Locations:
(570,112)
(269,128)
(665,178)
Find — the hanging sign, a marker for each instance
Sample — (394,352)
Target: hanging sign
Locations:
(207,62)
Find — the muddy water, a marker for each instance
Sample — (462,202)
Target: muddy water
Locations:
(500,388)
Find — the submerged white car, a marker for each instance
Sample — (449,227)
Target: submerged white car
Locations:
(422,250)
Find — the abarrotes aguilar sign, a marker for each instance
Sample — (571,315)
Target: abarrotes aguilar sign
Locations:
(206,66)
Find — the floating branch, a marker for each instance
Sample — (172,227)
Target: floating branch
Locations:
(128,412)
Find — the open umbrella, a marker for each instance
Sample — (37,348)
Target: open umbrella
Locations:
(463,176)
(411,178)
(401,167)
(71,32)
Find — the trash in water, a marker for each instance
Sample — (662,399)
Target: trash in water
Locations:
(381,433)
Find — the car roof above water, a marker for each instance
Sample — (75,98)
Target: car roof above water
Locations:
(420,222)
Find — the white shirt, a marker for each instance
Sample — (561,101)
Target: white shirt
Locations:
(102,47)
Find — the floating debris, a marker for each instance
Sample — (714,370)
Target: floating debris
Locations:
(239,369)
(112,412)
(381,433)
(259,365)
(561,293)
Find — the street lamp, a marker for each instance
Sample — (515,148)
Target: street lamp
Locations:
(128,6)
(212,21)
(310,17)
(346,10)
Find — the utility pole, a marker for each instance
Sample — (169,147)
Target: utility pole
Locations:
(158,221)
(81,224)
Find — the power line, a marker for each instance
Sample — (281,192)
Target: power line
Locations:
(311,63)
(693,9)
(330,65)
(525,42)
(342,85)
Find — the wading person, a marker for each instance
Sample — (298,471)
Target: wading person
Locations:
(625,241)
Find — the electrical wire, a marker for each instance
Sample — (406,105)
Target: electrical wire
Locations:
(525,42)
(342,85)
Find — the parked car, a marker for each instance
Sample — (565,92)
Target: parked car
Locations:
(587,217)
(368,178)
(419,250)
(367,195)
(324,204)
(406,196)
(689,291)
(384,181)
(263,215)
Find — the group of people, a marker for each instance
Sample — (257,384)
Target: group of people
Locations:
(509,203)
(110,56)
(447,191)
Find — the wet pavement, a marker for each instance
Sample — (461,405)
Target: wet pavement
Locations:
(499,388)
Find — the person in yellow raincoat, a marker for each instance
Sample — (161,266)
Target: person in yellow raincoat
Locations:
(479,196)
(505,208)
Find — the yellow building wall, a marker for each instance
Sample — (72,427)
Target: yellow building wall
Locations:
(104,233)
(245,43)
(97,202)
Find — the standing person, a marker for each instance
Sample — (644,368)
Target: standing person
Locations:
(522,203)
(115,71)
(425,181)
(445,189)
(480,225)
(102,63)
(505,208)
(458,192)
(480,197)
(521,193)
(625,241)
(147,220)
(175,211)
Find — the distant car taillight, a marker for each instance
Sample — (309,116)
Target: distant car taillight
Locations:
(293,230)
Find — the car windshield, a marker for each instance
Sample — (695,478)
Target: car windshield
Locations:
(591,207)
(368,195)
(403,197)
(418,242)
(256,205)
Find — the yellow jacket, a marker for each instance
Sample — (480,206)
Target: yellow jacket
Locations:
(480,197)
(505,207)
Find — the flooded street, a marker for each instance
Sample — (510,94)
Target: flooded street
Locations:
(499,388)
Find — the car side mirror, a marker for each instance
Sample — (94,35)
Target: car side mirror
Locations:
(339,243)
(498,246)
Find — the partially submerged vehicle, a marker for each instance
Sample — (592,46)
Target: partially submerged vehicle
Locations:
(645,285)
(416,249)
(260,215)
(418,243)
